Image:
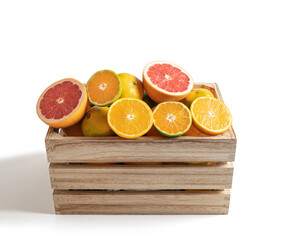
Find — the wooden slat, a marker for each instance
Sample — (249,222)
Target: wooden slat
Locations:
(141,177)
(141,202)
(149,149)
(140,210)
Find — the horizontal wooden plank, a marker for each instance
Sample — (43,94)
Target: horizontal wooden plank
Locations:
(141,202)
(77,209)
(142,197)
(143,149)
(141,177)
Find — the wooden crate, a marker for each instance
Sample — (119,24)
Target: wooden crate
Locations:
(147,175)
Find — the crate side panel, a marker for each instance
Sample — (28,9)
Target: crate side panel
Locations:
(142,197)
(130,202)
(139,210)
(140,177)
(144,149)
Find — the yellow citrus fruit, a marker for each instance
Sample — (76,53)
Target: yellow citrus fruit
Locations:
(131,86)
(130,117)
(95,123)
(196,93)
(210,115)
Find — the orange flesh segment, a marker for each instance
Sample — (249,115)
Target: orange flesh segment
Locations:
(130,117)
(172,118)
(211,113)
(103,87)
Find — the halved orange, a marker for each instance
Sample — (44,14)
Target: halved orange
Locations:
(130,117)
(103,88)
(172,119)
(63,103)
(210,115)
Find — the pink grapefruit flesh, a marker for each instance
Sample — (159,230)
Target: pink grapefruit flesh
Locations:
(168,77)
(165,81)
(63,103)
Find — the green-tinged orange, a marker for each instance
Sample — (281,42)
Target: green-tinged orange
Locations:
(95,122)
(103,88)
(172,119)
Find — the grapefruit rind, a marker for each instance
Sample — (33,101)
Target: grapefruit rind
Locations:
(74,117)
(123,135)
(160,95)
(203,128)
(168,134)
(111,101)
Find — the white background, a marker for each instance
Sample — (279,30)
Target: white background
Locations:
(237,44)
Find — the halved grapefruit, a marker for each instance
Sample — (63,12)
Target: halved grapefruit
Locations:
(164,81)
(63,103)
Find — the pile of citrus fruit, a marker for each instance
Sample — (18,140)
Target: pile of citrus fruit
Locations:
(163,104)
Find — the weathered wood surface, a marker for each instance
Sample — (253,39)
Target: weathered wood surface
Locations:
(141,202)
(144,149)
(141,177)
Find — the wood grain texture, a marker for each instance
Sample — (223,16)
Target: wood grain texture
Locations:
(144,149)
(220,148)
(141,202)
(141,177)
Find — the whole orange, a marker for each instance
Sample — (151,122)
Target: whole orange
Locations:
(95,123)
(132,87)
